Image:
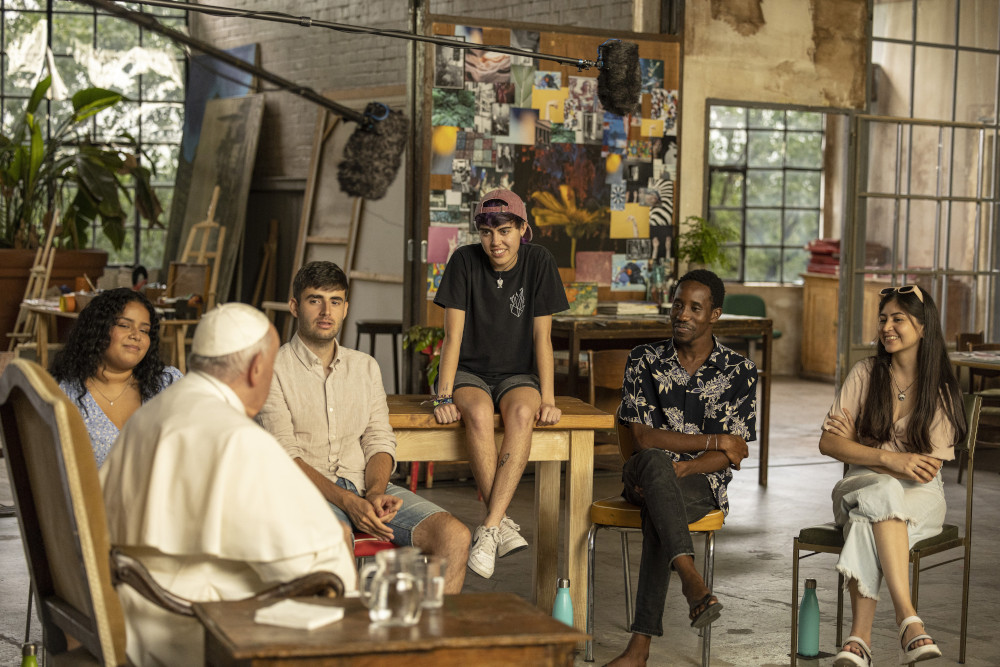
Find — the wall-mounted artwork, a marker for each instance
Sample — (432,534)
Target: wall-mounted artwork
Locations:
(595,184)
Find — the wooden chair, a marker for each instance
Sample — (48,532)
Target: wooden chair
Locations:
(749,305)
(829,538)
(60,512)
(622,516)
(982,373)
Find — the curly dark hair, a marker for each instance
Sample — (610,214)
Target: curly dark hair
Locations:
(79,360)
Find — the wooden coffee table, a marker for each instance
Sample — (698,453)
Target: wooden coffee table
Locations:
(474,629)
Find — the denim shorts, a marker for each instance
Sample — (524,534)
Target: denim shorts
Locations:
(497,390)
(413,510)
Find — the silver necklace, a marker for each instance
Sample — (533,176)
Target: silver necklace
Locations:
(902,392)
(120,394)
(506,266)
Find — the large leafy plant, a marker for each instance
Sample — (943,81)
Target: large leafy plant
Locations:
(38,175)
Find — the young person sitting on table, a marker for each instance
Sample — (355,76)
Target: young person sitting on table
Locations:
(897,418)
(327,408)
(111,364)
(499,298)
(691,406)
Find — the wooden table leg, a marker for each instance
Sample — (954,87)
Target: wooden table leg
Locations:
(42,340)
(544,573)
(579,497)
(765,407)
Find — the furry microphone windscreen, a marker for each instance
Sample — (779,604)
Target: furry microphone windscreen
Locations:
(619,84)
(372,155)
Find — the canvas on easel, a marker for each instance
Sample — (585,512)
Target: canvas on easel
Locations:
(225,158)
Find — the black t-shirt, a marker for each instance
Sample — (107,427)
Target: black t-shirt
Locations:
(497,340)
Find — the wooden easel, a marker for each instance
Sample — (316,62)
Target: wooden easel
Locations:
(38,282)
(203,254)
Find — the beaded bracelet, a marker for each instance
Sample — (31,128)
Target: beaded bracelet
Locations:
(441,400)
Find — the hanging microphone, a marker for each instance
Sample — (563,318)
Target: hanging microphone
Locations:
(376,146)
(619,83)
(373,153)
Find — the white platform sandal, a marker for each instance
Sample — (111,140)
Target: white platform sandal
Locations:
(850,659)
(919,653)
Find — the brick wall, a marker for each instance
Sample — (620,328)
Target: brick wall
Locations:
(327,60)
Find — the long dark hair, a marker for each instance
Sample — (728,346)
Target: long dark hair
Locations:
(79,360)
(937,386)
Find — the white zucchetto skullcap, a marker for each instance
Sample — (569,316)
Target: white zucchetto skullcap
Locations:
(229,328)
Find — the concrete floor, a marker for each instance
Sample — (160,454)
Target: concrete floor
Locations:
(753,558)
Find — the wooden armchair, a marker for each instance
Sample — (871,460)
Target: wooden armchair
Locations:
(60,512)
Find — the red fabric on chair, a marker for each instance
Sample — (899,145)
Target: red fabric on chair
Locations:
(366,546)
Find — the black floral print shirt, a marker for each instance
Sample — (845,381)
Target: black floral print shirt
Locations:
(720,398)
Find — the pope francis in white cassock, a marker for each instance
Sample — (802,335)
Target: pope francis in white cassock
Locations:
(206,499)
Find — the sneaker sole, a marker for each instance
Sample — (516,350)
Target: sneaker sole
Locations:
(512,550)
(482,573)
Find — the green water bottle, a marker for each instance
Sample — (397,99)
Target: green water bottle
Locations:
(29,656)
(562,609)
(809,622)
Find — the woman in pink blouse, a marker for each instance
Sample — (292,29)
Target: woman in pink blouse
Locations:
(896,420)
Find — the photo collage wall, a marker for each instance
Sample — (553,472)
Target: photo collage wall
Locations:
(598,187)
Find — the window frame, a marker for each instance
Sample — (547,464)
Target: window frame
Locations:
(738,249)
(136,229)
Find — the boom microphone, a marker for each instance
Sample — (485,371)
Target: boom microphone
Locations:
(373,153)
(619,83)
(374,149)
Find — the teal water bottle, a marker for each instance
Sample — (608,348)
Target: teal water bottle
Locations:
(562,609)
(28,655)
(809,622)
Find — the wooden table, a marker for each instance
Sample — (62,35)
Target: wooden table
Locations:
(420,438)
(48,310)
(610,331)
(473,629)
(984,360)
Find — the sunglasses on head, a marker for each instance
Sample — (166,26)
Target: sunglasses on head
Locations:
(905,289)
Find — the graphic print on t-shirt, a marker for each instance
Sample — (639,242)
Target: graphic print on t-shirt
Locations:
(517,303)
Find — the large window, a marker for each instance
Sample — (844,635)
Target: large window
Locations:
(765,181)
(94,49)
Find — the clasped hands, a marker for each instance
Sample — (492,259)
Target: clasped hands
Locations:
(372,513)
(907,465)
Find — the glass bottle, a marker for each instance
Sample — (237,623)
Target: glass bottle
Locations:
(562,609)
(808,645)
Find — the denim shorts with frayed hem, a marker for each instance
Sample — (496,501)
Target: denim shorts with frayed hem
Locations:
(496,391)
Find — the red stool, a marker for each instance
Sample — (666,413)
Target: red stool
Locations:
(366,546)
(415,473)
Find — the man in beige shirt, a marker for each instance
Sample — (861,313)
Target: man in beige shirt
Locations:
(327,408)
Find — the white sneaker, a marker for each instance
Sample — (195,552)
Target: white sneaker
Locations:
(483,553)
(510,539)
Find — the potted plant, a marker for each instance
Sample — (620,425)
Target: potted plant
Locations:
(702,245)
(37,175)
(426,340)
(67,172)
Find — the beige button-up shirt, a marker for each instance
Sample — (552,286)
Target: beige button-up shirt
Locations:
(334,422)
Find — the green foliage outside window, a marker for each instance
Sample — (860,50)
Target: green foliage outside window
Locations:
(765,182)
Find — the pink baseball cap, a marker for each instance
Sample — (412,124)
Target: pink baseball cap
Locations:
(511,204)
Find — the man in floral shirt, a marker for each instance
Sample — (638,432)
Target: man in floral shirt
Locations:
(691,405)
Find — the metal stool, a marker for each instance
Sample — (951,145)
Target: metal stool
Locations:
(375,327)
